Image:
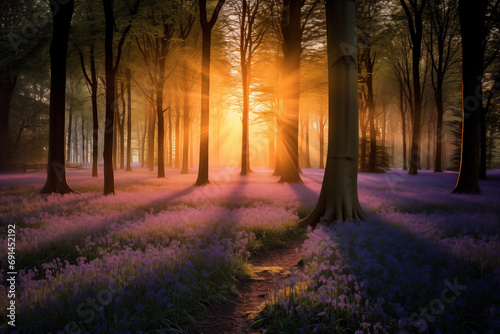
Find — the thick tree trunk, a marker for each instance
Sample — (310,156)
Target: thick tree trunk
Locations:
(56,164)
(472,22)
(109,182)
(6,92)
(129,119)
(292,48)
(338,199)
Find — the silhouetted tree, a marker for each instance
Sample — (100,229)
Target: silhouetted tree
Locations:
(56,164)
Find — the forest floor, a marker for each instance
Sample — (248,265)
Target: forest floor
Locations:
(165,256)
(271,271)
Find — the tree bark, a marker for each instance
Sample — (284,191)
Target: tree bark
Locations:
(472,23)
(338,199)
(292,48)
(56,164)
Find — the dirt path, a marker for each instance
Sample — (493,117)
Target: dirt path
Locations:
(273,268)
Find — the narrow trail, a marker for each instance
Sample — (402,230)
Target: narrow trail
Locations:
(272,270)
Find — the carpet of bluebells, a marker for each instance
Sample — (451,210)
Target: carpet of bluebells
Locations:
(160,251)
(423,261)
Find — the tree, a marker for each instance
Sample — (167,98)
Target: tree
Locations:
(292,47)
(206,27)
(111,67)
(472,16)
(415,24)
(442,49)
(21,44)
(185,27)
(128,75)
(56,164)
(155,50)
(247,33)
(338,199)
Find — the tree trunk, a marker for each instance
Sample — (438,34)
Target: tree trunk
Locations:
(292,48)
(205,91)
(307,157)
(321,141)
(177,133)
(6,92)
(56,164)
(70,129)
(403,126)
(338,199)
(116,131)
(185,116)
(169,136)
(151,139)
(472,22)
(362,124)
(372,159)
(109,182)
(414,18)
(206,27)
(129,120)
(143,139)
(482,132)
(439,129)
(75,143)
(428,153)
(245,163)
(83,139)
(122,126)
(95,119)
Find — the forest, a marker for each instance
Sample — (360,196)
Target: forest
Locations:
(250,166)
